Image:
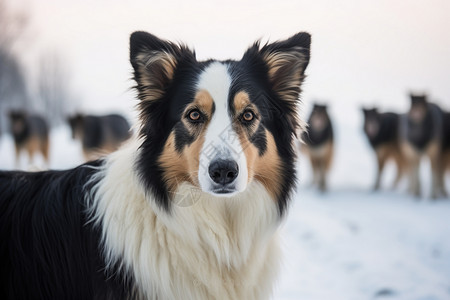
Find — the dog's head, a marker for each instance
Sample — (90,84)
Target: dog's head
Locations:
(319,118)
(371,121)
(76,125)
(419,108)
(218,125)
(17,121)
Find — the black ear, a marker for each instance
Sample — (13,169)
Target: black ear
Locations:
(154,62)
(286,61)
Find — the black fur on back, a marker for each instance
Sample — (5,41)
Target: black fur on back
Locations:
(48,248)
(100,130)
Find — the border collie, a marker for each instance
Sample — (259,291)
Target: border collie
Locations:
(319,144)
(30,133)
(383,133)
(99,135)
(187,209)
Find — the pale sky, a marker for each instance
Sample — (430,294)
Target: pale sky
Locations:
(363,52)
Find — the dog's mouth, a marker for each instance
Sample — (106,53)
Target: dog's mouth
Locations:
(223,191)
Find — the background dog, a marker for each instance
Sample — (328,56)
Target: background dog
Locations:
(445,146)
(31,134)
(319,144)
(99,135)
(423,135)
(383,133)
(187,209)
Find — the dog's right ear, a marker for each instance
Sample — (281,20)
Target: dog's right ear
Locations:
(154,62)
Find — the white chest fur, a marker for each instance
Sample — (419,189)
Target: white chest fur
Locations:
(215,248)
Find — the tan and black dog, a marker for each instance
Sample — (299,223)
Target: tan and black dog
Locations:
(31,134)
(423,132)
(382,131)
(445,146)
(319,144)
(99,135)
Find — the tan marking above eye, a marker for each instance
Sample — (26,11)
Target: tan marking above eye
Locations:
(246,111)
(204,101)
(241,101)
(200,110)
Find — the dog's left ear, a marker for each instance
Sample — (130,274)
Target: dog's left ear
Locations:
(154,62)
(286,61)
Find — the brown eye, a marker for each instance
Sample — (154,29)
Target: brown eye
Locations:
(194,115)
(248,116)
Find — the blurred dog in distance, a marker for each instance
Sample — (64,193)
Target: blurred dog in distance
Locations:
(424,135)
(318,144)
(382,131)
(99,135)
(445,145)
(31,134)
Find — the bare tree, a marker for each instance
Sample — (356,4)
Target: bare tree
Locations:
(53,87)
(12,25)
(13,87)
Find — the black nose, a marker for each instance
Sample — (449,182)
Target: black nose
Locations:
(223,171)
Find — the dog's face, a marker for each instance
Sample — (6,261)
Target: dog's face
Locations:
(319,118)
(76,125)
(371,122)
(419,108)
(17,121)
(218,125)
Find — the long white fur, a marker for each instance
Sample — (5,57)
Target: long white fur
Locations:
(220,138)
(218,248)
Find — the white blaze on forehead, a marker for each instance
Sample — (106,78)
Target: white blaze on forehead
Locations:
(221,140)
(217,81)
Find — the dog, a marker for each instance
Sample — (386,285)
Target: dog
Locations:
(423,135)
(383,133)
(99,135)
(189,207)
(319,145)
(445,146)
(31,134)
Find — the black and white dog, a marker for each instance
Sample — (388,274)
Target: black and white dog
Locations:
(187,209)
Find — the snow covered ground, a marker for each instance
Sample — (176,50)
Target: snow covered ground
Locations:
(349,243)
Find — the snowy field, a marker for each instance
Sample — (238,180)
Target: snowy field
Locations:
(349,243)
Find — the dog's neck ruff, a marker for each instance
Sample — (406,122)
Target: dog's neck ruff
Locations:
(206,248)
